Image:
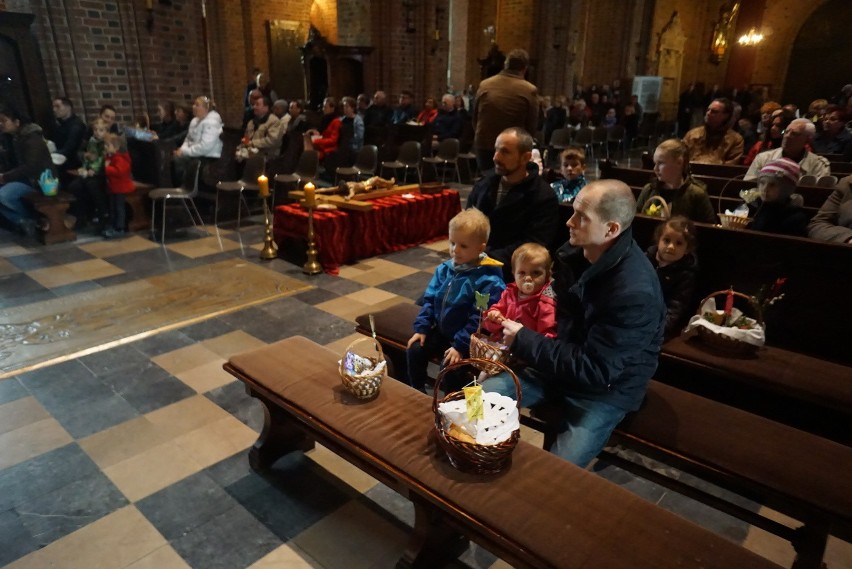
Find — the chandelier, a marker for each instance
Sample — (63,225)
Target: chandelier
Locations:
(753,37)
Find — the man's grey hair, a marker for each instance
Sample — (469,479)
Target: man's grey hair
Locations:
(525,140)
(280,104)
(448,97)
(809,127)
(517,60)
(616,202)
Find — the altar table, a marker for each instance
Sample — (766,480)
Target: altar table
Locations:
(394,223)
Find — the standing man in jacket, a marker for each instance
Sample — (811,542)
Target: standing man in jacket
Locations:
(610,322)
(503,101)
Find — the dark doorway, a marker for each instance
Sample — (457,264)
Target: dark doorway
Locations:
(821,59)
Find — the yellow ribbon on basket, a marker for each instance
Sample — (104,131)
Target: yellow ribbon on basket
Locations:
(473,402)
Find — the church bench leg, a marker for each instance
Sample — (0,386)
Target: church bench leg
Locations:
(280,436)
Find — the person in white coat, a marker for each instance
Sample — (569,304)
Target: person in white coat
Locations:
(202,139)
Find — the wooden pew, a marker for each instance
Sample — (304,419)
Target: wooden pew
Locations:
(814,196)
(517,515)
(705,438)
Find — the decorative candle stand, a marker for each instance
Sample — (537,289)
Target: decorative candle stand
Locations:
(270,250)
(312,266)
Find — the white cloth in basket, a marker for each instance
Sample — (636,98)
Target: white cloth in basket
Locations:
(755,336)
(500,420)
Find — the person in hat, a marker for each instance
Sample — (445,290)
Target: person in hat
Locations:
(779,209)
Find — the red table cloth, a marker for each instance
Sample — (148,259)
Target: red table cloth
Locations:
(394,223)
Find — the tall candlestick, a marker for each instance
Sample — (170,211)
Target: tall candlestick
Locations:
(263,185)
(310,195)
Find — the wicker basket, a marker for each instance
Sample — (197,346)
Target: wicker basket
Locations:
(482,348)
(364,386)
(721,343)
(736,222)
(727,220)
(472,457)
(665,209)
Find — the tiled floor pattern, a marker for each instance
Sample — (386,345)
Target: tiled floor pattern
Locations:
(135,457)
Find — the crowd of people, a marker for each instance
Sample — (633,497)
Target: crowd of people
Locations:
(587,318)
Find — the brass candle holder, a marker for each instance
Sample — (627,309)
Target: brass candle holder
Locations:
(312,266)
(270,250)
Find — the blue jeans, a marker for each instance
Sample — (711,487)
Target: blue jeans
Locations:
(12,207)
(587,423)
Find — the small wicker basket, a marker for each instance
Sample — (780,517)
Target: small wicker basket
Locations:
(471,457)
(365,385)
(482,348)
(737,222)
(727,220)
(665,209)
(725,344)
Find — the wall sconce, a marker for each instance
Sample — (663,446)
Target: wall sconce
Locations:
(438,12)
(721,29)
(753,37)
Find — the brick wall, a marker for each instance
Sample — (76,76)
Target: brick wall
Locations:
(353,25)
(324,19)
(516,26)
(101,53)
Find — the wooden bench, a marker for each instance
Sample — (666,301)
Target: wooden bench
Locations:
(140,220)
(52,211)
(518,515)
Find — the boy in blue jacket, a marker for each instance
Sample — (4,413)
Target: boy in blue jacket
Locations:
(449,316)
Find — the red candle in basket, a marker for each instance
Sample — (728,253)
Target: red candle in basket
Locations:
(729,302)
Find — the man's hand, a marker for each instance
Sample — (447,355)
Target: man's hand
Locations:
(178,152)
(510,329)
(451,356)
(421,338)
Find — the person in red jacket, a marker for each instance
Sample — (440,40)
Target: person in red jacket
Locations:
(119,183)
(327,141)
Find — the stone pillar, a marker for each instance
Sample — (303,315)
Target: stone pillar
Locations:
(458,16)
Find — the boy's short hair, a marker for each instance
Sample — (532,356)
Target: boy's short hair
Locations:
(535,253)
(98,121)
(472,221)
(682,225)
(116,140)
(574,153)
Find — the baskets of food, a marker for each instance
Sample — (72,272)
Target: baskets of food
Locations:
(728,331)
(737,219)
(734,221)
(656,206)
(363,367)
(483,348)
(482,443)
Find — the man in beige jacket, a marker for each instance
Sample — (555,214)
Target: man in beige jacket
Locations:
(503,101)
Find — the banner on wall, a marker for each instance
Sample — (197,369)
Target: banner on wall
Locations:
(648,88)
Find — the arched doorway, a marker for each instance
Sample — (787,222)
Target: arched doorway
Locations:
(821,58)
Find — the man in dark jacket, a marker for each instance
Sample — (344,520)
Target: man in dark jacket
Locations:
(610,321)
(520,205)
(69,134)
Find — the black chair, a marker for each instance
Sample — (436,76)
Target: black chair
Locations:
(254,167)
(365,164)
(185,193)
(448,153)
(307,170)
(409,157)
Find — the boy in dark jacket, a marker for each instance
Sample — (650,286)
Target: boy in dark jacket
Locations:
(449,315)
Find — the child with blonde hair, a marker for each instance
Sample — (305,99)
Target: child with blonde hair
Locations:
(530,299)
(448,315)
(89,187)
(119,182)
